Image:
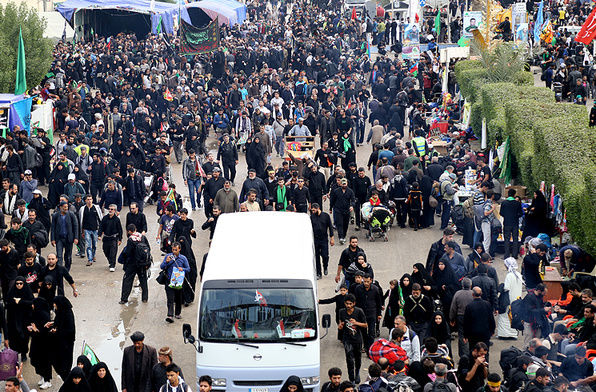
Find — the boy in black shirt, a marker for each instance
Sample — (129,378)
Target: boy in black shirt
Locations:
(352,320)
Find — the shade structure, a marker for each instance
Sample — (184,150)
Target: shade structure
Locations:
(142,16)
(228,12)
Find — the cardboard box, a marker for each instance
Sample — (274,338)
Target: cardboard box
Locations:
(519,190)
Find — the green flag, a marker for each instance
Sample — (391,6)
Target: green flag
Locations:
(437,27)
(88,352)
(21,81)
(159,25)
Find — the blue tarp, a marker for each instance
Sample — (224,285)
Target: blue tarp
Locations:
(228,11)
(165,11)
(20,110)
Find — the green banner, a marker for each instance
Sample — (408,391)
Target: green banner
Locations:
(197,41)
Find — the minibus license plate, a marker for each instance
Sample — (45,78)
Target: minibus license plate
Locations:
(258,390)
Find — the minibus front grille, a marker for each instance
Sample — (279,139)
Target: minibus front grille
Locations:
(259,383)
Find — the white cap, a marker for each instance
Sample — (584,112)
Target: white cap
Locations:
(71,177)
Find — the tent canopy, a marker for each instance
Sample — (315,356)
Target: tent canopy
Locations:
(151,11)
(229,12)
(19,110)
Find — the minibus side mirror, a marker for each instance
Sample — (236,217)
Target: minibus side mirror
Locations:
(326,323)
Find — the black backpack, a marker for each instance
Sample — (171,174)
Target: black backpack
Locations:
(142,254)
(508,358)
(517,314)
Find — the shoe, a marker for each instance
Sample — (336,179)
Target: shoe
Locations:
(144,301)
(112,269)
(186,304)
(194,209)
(40,382)
(89,264)
(169,320)
(357,380)
(178,316)
(319,276)
(45,385)
(342,241)
(325,271)
(122,302)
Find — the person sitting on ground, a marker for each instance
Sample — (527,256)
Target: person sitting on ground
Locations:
(441,374)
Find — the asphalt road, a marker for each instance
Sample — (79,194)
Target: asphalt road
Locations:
(106,326)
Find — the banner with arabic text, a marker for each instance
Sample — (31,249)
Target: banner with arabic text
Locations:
(196,41)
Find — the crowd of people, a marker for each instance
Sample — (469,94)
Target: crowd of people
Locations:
(130,111)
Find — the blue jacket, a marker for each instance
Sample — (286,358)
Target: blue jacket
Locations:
(180,261)
(72,226)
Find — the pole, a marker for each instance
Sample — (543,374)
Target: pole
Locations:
(486,23)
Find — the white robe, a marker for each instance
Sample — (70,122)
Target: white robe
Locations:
(513,286)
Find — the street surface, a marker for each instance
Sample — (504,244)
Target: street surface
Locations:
(106,326)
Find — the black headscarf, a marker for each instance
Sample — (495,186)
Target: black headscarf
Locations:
(24,292)
(48,293)
(82,359)
(406,290)
(70,386)
(417,372)
(422,277)
(106,384)
(41,312)
(292,380)
(441,331)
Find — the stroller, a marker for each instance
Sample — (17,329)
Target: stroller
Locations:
(377,220)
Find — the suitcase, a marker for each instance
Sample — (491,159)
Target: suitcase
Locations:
(8,363)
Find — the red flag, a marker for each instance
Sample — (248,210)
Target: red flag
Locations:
(354,16)
(588,30)
(417,18)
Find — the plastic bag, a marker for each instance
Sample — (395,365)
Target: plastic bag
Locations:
(176,279)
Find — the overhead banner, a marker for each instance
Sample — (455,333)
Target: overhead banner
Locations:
(519,24)
(196,41)
(411,42)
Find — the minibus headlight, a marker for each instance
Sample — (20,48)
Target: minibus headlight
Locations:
(310,380)
(219,382)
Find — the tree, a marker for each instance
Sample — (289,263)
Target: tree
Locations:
(38,50)
(503,61)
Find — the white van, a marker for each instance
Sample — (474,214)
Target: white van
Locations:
(258,316)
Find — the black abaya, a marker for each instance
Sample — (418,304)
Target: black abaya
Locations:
(18,315)
(105,384)
(42,342)
(63,331)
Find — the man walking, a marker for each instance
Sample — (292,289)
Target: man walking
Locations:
(137,218)
(134,188)
(137,362)
(341,204)
(192,173)
(133,265)
(460,301)
(321,225)
(228,155)
(479,322)
(511,211)
(352,321)
(64,233)
(90,217)
(110,229)
(369,299)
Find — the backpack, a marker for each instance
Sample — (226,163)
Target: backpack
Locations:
(508,358)
(380,385)
(162,184)
(143,256)
(402,386)
(469,207)
(440,387)
(38,160)
(517,314)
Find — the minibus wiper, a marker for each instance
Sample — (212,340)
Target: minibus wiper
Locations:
(293,343)
(245,344)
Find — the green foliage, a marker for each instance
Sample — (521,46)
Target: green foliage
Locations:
(464,65)
(495,95)
(476,118)
(572,173)
(523,78)
(469,81)
(38,50)
(504,62)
